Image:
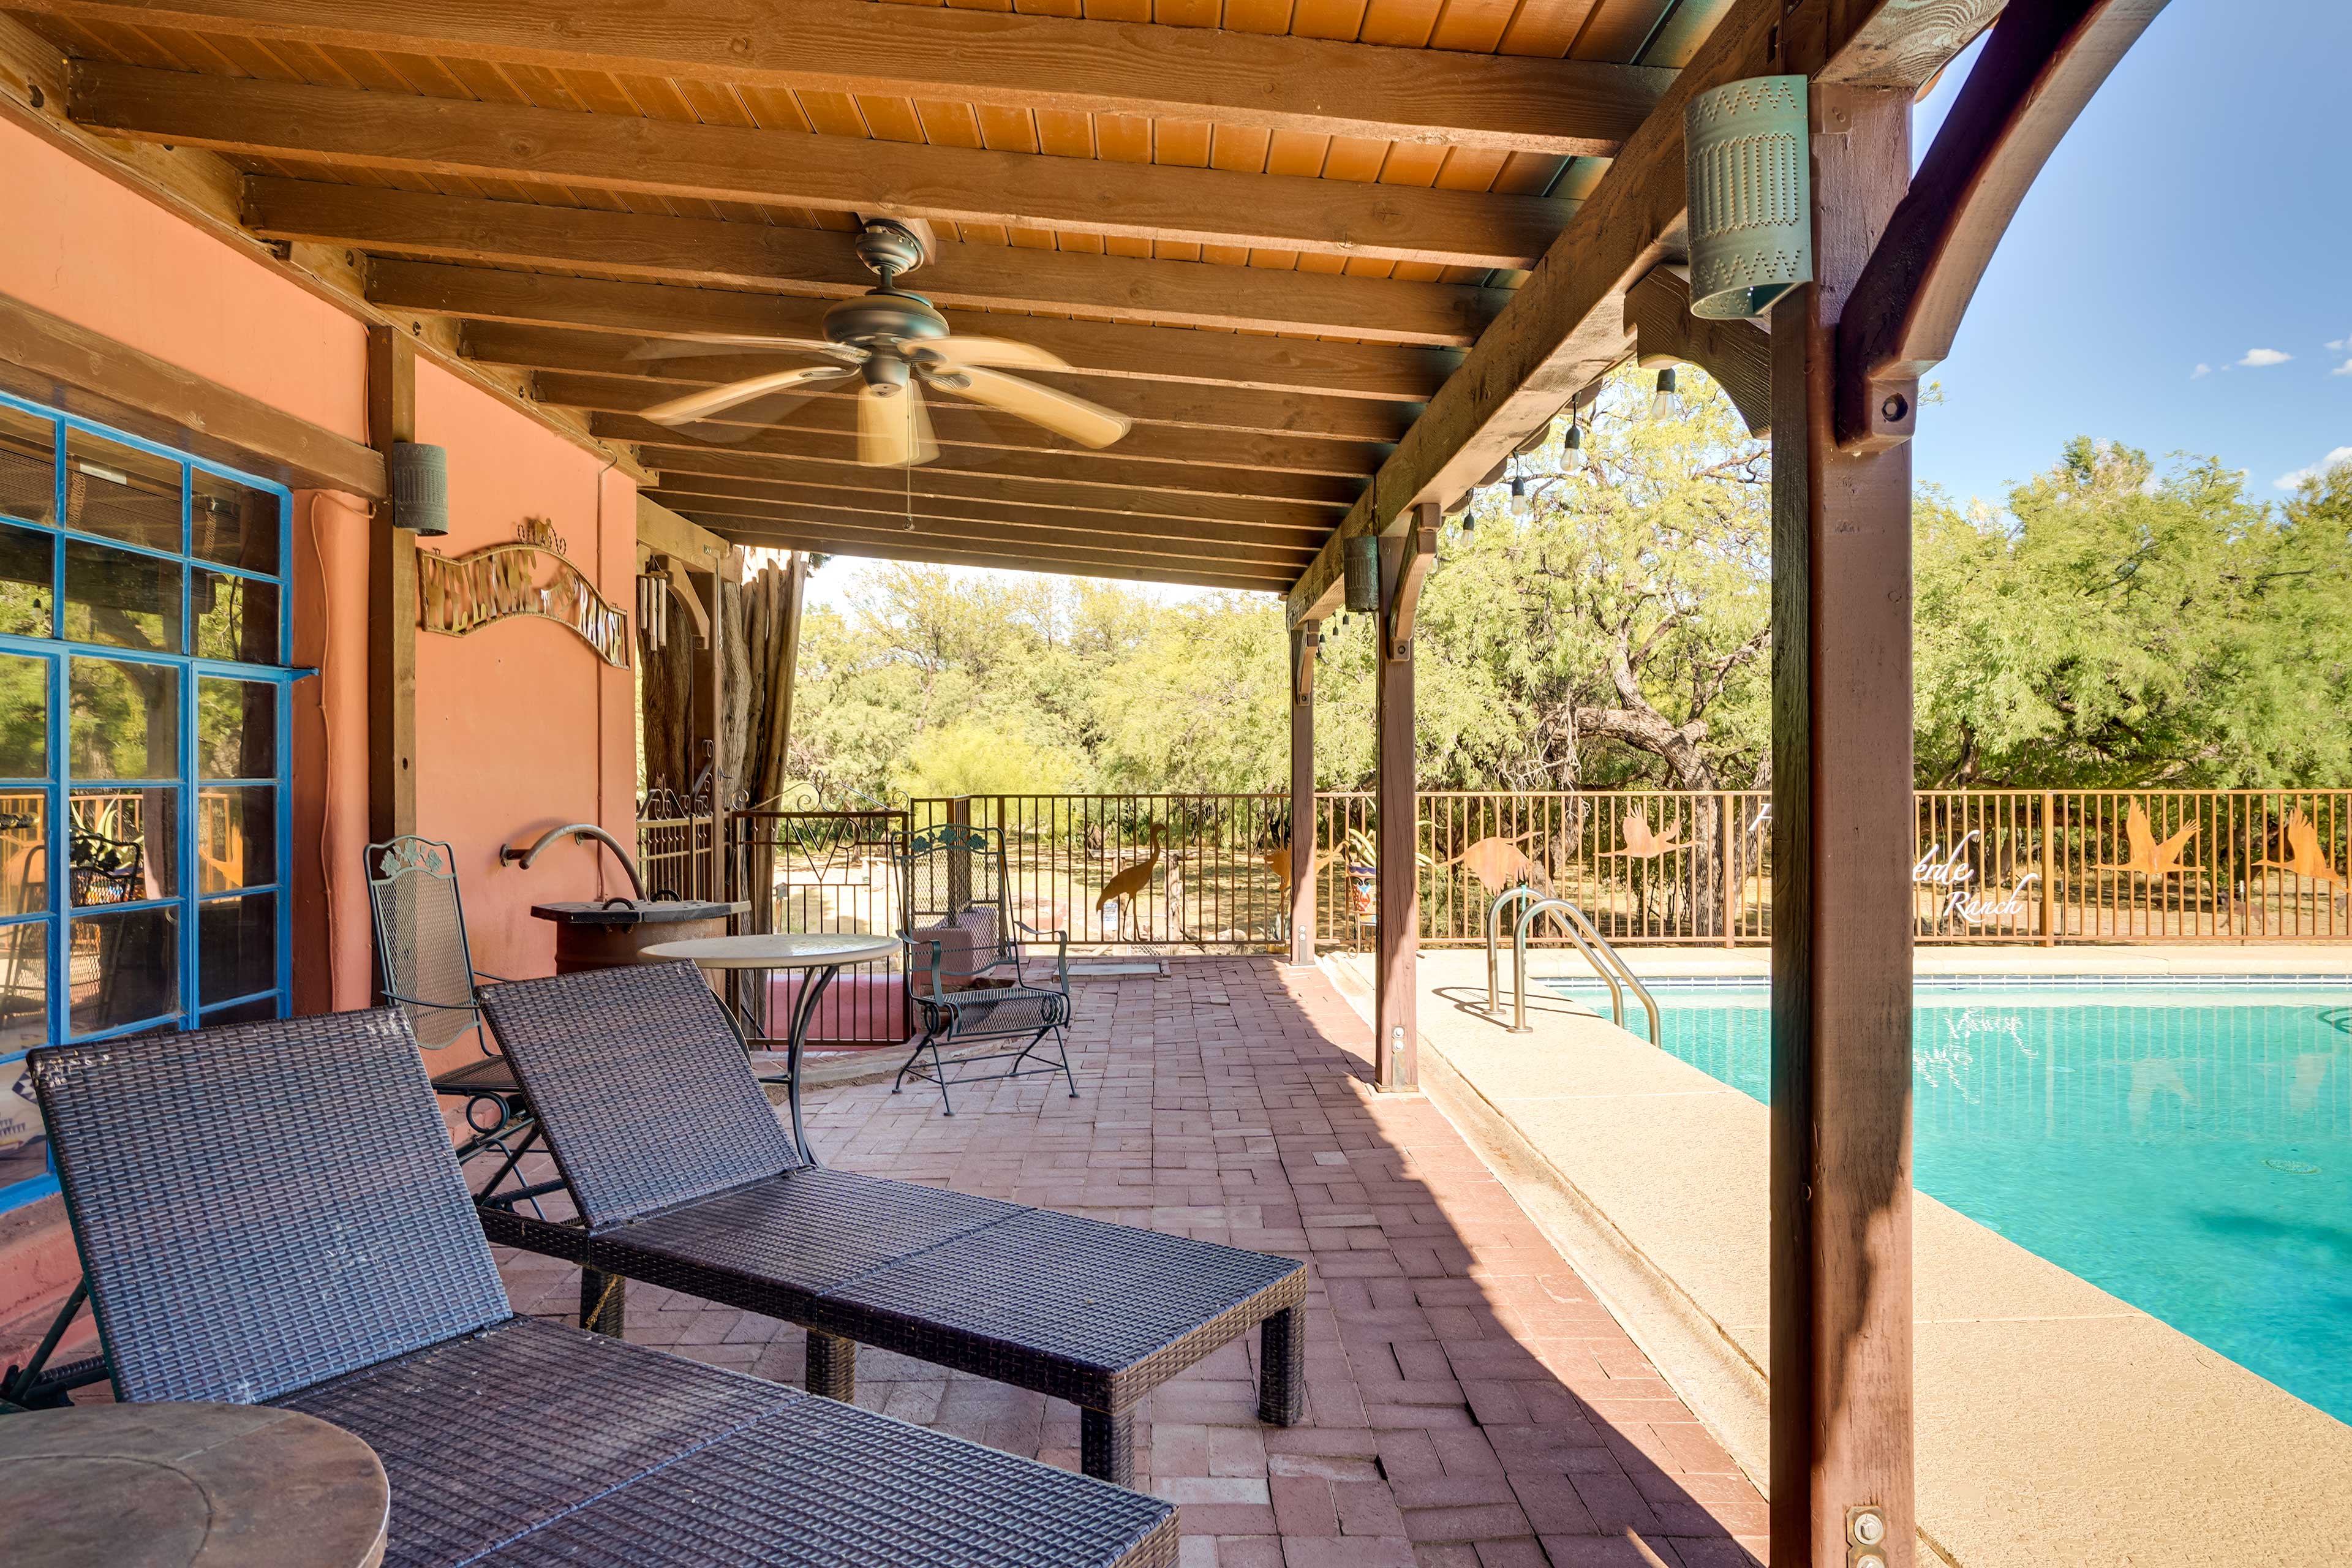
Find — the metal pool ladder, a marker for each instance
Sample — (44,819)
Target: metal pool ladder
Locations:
(1605,959)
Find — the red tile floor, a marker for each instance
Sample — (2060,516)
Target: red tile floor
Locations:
(1470,1404)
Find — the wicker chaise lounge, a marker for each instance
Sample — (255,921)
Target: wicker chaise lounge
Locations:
(685,1179)
(341,1272)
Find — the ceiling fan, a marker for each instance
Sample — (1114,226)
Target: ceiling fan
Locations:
(896,344)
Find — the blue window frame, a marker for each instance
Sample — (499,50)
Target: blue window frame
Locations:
(145,732)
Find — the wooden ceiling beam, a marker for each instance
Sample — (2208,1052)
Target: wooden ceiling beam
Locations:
(831,537)
(824,263)
(620,385)
(948,519)
(1067,507)
(819,427)
(1212,487)
(1088,347)
(1566,325)
(465,139)
(1312,87)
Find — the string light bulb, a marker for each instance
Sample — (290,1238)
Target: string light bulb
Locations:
(1667,402)
(1572,454)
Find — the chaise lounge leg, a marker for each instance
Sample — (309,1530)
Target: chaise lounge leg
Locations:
(1107,1444)
(832,1366)
(604,1303)
(1282,1368)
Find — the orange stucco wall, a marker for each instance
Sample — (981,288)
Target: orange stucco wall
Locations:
(520,726)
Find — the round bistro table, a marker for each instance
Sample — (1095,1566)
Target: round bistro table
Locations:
(818,955)
(187,1486)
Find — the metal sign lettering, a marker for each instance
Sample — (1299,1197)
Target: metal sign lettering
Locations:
(456,593)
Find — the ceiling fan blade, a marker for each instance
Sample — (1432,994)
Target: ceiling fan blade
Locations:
(959,350)
(719,399)
(893,430)
(1064,413)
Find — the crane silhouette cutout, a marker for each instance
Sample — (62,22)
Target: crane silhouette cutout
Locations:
(1131,882)
(2148,857)
(2304,858)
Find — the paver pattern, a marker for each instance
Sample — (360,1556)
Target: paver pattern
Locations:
(1470,1405)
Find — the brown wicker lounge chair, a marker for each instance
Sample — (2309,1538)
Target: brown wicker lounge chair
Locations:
(342,1273)
(685,1179)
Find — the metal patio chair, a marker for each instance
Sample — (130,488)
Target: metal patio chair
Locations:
(428,973)
(966,974)
(685,1178)
(344,1274)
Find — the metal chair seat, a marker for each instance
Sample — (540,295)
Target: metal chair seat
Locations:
(997,1010)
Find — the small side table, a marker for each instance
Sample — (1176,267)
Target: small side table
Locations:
(187,1486)
(821,955)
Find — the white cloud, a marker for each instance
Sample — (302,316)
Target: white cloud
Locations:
(2202,370)
(2295,480)
(2344,369)
(2344,342)
(2257,358)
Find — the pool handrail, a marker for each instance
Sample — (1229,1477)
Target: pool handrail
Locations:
(1494,934)
(1579,929)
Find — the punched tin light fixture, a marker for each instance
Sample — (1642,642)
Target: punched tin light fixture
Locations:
(1751,182)
(418,477)
(1360,559)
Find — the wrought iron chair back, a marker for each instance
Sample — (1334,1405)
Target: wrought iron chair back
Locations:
(950,868)
(420,936)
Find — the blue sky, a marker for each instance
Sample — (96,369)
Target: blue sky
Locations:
(2199,211)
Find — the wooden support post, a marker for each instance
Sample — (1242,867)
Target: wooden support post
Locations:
(1304,643)
(392,600)
(707,723)
(1841,917)
(1397,949)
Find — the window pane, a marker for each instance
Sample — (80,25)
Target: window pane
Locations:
(29,466)
(28,591)
(23,717)
(24,985)
(254,1012)
(125,846)
(125,968)
(121,492)
(127,601)
(236,946)
(236,729)
(24,852)
(236,838)
(232,524)
(126,720)
(24,1141)
(236,617)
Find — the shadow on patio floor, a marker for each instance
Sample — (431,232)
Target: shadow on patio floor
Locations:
(1470,1405)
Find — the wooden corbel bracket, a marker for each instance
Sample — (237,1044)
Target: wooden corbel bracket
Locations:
(2042,63)
(1738,354)
(1302,664)
(1420,554)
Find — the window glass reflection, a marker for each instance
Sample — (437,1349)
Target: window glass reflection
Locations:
(236,617)
(24,1139)
(236,946)
(29,466)
(258,1010)
(121,492)
(24,851)
(122,599)
(28,591)
(126,720)
(232,524)
(24,984)
(236,838)
(23,717)
(236,729)
(125,846)
(123,968)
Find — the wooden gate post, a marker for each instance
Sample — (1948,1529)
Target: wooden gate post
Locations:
(392,599)
(1842,921)
(1304,643)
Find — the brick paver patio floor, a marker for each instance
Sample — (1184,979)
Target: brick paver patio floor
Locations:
(1470,1405)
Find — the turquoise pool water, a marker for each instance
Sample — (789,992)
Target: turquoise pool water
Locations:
(2186,1147)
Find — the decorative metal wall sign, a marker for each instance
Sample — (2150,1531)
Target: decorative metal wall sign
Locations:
(456,593)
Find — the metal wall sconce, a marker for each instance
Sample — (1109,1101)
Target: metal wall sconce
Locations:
(418,478)
(1750,184)
(1360,562)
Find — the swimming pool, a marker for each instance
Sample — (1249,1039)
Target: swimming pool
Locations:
(2186,1146)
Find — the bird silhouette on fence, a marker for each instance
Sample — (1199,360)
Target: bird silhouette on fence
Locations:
(2304,857)
(2148,857)
(1128,883)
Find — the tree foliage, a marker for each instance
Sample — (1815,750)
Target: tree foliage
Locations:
(2115,624)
